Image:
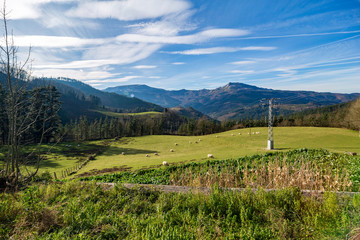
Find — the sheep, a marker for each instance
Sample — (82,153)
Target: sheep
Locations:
(257,132)
(176,144)
(232,134)
(199,140)
(217,136)
(164,163)
(147,155)
(210,156)
(239,133)
(156,154)
(122,153)
(195,142)
(171,150)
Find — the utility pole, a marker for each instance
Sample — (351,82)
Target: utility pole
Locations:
(270,141)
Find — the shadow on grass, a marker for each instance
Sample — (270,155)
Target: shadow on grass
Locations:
(113,150)
(50,163)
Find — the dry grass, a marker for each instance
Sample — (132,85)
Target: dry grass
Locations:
(274,175)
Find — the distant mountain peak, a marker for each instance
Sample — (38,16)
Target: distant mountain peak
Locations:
(237,85)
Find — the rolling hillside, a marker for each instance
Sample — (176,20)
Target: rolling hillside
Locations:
(79,99)
(234,100)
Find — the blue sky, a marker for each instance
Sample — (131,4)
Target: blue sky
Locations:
(176,44)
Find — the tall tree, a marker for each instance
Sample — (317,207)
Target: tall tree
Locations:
(21,111)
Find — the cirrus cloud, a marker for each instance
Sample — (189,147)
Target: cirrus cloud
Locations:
(128,10)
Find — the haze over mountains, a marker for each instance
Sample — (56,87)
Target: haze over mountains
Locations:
(234,100)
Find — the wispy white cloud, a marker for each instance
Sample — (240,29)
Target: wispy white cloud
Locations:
(128,10)
(76,74)
(170,25)
(213,50)
(55,41)
(178,63)
(242,62)
(28,9)
(98,56)
(184,39)
(242,71)
(144,66)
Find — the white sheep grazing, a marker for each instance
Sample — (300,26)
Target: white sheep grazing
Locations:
(239,133)
(147,155)
(176,144)
(257,132)
(199,140)
(232,134)
(165,163)
(156,154)
(122,153)
(217,136)
(171,150)
(210,156)
(195,142)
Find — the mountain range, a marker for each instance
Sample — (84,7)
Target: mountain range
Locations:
(234,100)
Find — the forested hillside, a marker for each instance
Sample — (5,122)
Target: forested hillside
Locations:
(346,115)
(234,100)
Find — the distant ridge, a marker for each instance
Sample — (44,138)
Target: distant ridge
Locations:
(234,100)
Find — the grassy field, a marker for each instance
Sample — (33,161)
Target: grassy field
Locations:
(56,158)
(227,145)
(113,114)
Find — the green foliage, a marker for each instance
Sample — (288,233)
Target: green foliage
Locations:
(335,163)
(87,211)
(43,177)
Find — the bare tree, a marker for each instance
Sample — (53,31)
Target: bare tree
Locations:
(21,110)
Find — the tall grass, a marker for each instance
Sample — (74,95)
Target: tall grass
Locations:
(306,169)
(86,211)
(274,174)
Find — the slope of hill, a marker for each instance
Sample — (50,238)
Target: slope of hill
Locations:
(234,100)
(343,115)
(79,99)
(111,100)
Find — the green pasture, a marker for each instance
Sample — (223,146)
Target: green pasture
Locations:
(227,145)
(58,157)
(114,114)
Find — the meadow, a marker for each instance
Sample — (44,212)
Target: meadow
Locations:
(114,114)
(225,145)
(83,209)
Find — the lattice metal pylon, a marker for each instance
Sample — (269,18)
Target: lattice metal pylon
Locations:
(270,142)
